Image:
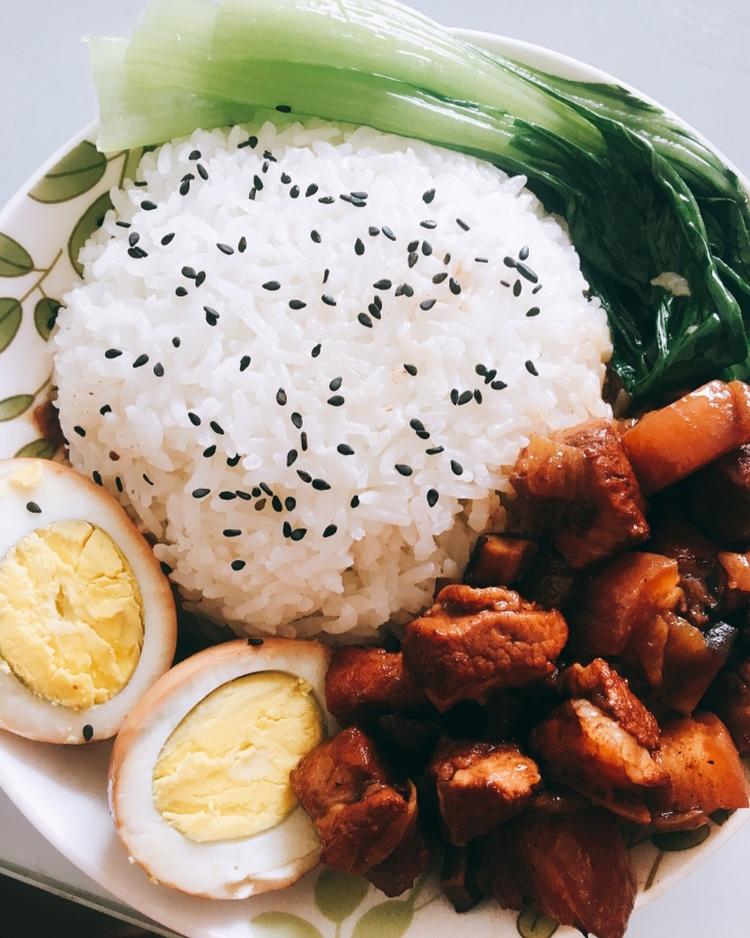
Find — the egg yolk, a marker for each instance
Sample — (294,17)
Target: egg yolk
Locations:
(71,614)
(224,772)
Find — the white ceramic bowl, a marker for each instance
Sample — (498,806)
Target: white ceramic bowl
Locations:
(61,790)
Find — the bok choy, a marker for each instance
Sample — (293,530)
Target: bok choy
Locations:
(648,204)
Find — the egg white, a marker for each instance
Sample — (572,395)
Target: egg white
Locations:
(229,869)
(64,495)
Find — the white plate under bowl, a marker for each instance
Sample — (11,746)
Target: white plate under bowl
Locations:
(61,790)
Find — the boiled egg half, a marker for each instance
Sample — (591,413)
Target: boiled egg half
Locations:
(87,618)
(199,782)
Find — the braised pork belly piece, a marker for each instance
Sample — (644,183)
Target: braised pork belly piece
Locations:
(473,641)
(720,497)
(365,682)
(479,785)
(499,560)
(360,815)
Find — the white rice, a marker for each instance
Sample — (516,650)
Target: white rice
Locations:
(383,560)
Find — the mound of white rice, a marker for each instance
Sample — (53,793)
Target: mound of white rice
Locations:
(291,340)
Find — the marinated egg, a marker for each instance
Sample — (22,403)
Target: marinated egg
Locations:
(199,780)
(87,618)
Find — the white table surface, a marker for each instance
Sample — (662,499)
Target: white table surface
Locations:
(691,55)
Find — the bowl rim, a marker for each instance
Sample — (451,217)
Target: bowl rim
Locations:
(528,53)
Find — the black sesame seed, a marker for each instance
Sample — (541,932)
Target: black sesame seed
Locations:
(290,503)
(517,288)
(298,534)
(388,232)
(345,449)
(374,311)
(140,361)
(358,195)
(291,457)
(439,278)
(326,272)
(534,311)
(137,253)
(297,304)
(428,223)
(426,248)
(410,369)
(435,450)
(284,108)
(201,278)
(364,320)
(209,451)
(427,304)
(96,476)
(432,497)
(404,289)
(251,195)
(227,496)
(297,419)
(337,400)
(523,253)
(315,236)
(216,427)
(354,503)
(477,395)
(265,487)
(260,504)
(531,368)
(106,409)
(148,206)
(462,224)
(225,248)
(286,178)
(416,424)
(87,732)
(447,259)
(79,430)
(454,286)
(383,284)
(118,484)
(305,476)
(456,468)
(180,291)
(202,171)
(490,375)
(402,469)
(328,299)
(196,154)
(509,262)
(428,196)
(336,383)
(320,485)
(498,385)
(359,247)
(255,642)
(286,529)
(159,370)
(245,496)
(373,231)
(201,493)
(378,302)
(537,288)
(454,396)
(480,369)
(212,317)
(33,508)
(326,200)
(242,244)
(112,353)
(256,492)
(315,351)
(330,530)
(272,285)
(464,397)
(184,187)
(123,224)
(245,362)
(527,273)
(232,532)
(133,238)
(176,341)
(311,190)
(232,461)
(412,259)
(257,182)
(239,565)
(303,441)
(294,192)
(276,503)
(481,260)
(281,397)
